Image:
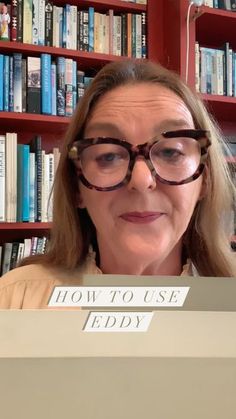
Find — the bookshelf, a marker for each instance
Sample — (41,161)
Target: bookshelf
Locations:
(52,128)
(166,43)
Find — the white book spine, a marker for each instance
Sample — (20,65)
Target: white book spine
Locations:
(51,181)
(43,205)
(35,22)
(41,33)
(73,27)
(46,186)
(220,72)
(2,178)
(138,36)
(197,67)
(27,247)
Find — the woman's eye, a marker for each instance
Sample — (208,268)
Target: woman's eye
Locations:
(108,158)
(169,153)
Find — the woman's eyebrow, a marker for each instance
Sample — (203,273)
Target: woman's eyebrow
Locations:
(171,123)
(99,126)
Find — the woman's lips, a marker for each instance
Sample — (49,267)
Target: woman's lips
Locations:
(141,217)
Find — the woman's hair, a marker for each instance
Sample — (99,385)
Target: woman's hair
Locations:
(206,241)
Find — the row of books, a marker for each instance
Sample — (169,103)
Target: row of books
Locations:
(40,22)
(222,4)
(12,253)
(215,70)
(26,180)
(40,85)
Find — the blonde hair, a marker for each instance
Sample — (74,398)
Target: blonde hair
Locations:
(206,241)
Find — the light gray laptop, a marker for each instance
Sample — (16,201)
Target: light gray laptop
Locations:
(182,367)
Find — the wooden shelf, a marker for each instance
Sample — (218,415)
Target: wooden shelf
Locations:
(215,26)
(104,5)
(86,60)
(25,226)
(33,122)
(222,107)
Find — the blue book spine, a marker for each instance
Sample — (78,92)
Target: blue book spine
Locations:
(215,4)
(6,71)
(26,184)
(54,88)
(1,81)
(91,29)
(74,84)
(20,183)
(46,84)
(11,89)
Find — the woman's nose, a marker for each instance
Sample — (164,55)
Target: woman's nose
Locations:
(141,177)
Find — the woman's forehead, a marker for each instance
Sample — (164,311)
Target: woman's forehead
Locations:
(147,101)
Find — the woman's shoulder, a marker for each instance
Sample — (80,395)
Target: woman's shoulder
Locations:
(30,286)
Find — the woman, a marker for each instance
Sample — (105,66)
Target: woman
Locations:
(142,188)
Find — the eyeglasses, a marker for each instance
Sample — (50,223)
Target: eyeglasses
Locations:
(174,158)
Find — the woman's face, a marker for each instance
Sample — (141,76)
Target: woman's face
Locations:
(141,224)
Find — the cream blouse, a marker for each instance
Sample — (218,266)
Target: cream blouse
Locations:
(29,287)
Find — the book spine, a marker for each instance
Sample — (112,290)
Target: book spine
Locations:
(7,249)
(20,21)
(144,37)
(85,30)
(2,178)
(6,71)
(17,81)
(35,22)
(48,23)
(61,86)
(1,81)
(74,83)
(91,29)
(41,26)
(54,88)
(11,91)
(20,182)
(27,19)
(138,36)
(32,187)
(24,84)
(69,86)
(26,184)
(74,27)
(14,23)
(34,85)
(14,253)
(46,84)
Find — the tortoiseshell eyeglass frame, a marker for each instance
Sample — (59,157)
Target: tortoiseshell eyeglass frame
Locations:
(201,136)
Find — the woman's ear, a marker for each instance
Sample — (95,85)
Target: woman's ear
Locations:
(205,184)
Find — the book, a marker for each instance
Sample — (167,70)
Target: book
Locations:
(27,19)
(6,73)
(2,178)
(26,183)
(6,259)
(46,97)
(34,85)
(1,81)
(32,187)
(48,23)
(14,253)
(17,81)
(35,22)
(36,147)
